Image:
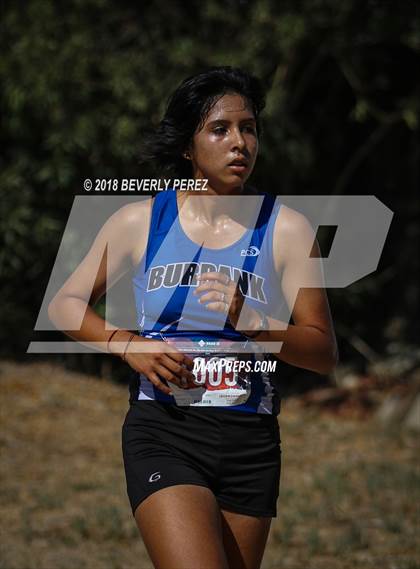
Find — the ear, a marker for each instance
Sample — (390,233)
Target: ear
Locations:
(186,155)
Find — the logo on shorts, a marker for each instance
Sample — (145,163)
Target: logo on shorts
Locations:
(250,252)
(154,477)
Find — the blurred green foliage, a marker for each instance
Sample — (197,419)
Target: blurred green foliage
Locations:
(82,80)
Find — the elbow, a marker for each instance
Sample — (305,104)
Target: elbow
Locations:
(58,312)
(66,311)
(53,310)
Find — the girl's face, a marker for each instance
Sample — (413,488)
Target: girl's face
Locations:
(225,149)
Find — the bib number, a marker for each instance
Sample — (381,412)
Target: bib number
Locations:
(220,382)
(214,373)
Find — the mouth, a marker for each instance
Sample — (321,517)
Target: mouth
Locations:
(238,165)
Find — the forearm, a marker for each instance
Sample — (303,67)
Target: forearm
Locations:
(77,319)
(303,346)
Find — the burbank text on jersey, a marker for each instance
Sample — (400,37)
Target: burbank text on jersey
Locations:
(167,309)
(185,274)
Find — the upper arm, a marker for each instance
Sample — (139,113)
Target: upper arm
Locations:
(297,254)
(119,243)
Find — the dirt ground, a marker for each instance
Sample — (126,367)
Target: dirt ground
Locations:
(349,489)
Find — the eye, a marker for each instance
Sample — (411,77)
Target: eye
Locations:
(249,128)
(220,130)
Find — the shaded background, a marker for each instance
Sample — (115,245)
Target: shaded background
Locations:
(83,80)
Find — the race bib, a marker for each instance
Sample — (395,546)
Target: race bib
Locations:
(222,379)
(220,382)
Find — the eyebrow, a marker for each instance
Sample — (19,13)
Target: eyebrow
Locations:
(226,121)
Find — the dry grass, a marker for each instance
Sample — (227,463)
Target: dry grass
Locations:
(348,497)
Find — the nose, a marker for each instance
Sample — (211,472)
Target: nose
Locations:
(238,140)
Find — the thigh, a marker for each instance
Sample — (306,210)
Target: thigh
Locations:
(181,528)
(244,539)
(249,481)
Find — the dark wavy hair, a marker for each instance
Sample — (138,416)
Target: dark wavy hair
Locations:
(186,112)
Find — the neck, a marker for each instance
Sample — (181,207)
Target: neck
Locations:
(210,206)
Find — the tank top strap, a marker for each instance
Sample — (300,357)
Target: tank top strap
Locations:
(164,212)
(259,232)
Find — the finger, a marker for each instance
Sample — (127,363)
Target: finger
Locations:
(217,307)
(214,276)
(189,362)
(171,376)
(154,378)
(179,357)
(179,370)
(213,296)
(213,285)
(173,353)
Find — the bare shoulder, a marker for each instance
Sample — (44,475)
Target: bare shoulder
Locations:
(292,233)
(133,212)
(130,225)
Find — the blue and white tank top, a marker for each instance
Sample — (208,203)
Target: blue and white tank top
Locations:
(168,310)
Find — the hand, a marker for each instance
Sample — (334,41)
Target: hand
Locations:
(222,295)
(168,363)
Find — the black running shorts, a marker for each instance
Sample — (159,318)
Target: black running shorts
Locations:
(235,454)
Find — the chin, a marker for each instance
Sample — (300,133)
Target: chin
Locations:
(236,180)
(228,184)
